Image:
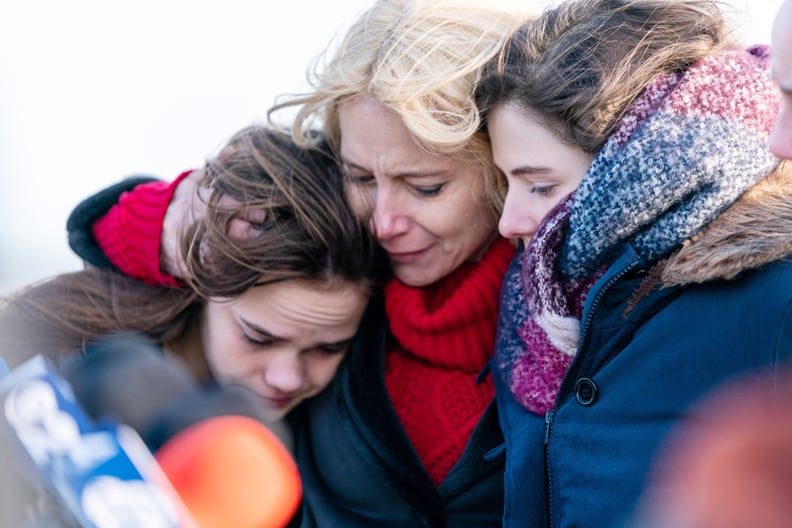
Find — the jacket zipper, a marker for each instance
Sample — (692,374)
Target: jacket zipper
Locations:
(584,334)
(548,494)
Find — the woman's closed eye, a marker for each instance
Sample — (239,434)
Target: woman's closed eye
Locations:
(333,349)
(542,189)
(257,342)
(360,179)
(429,190)
(357,176)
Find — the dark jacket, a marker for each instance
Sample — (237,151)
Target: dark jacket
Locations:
(726,308)
(359,468)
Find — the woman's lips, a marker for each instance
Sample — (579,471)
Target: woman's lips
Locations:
(405,257)
(270,401)
(277,403)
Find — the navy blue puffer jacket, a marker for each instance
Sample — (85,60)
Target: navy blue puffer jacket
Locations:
(635,376)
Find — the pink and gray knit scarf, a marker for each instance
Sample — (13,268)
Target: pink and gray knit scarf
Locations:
(689,146)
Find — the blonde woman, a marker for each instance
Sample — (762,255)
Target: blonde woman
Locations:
(407,434)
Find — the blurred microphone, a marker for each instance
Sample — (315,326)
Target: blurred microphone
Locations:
(71,471)
(232,471)
(228,467)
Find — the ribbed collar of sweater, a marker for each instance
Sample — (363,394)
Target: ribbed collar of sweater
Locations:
(451,323)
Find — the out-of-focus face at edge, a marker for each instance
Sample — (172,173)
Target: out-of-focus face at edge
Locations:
(283,341)
(429,212)
(540,169)
(781,61)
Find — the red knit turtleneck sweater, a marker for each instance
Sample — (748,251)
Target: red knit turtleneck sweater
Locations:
(442,336)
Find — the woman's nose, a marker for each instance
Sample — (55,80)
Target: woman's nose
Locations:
(516,220)
(389,218)
(285,372)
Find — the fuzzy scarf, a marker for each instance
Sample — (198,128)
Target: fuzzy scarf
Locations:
(687,148)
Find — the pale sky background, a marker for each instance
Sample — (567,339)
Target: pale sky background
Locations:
(94,90)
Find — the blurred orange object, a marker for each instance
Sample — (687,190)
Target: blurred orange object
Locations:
(232,471)
(730,466)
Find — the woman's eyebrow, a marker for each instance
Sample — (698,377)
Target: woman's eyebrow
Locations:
(527,170)
(266,333)
(259,329)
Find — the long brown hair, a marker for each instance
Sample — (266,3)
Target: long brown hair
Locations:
(578,66)
(307,232)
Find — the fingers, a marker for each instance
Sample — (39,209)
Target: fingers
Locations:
(247,223)
(239,229)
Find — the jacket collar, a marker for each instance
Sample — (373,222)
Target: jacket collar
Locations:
(754,231)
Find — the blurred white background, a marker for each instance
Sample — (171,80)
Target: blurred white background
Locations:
(94,90)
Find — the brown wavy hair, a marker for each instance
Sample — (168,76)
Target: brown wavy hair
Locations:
(578,66)
(308,232)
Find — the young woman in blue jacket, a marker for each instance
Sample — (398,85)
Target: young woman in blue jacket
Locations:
(655,229)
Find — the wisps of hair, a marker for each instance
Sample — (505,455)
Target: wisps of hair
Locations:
(578,66)
(304,228)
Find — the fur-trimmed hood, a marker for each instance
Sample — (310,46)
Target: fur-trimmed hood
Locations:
(754,231)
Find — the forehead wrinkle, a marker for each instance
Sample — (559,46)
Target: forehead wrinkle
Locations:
(315,312)
(308,308)
(397,170)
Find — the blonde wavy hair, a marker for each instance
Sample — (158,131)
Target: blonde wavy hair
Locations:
(420,58)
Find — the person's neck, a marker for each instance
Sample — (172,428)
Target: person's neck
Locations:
(479,254)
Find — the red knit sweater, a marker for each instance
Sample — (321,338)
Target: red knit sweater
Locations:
(443,335)
(130,233)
